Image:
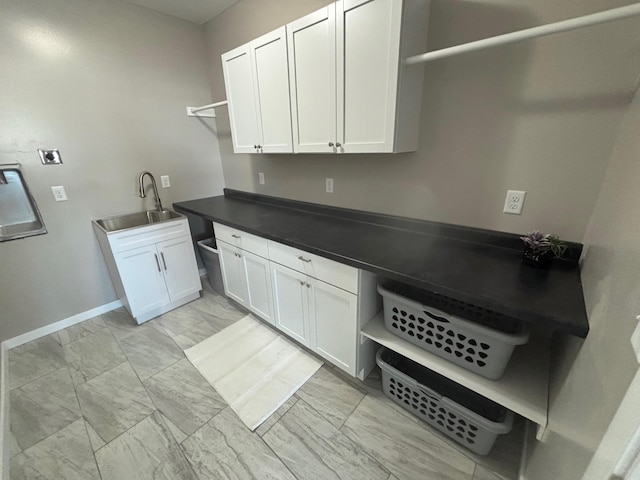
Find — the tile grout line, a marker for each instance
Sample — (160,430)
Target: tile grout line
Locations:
(41,376)
(120,434)
(349,439)
(80,338)
(81,417)
(84,422)
(124,352)
(273,451)
(352,412)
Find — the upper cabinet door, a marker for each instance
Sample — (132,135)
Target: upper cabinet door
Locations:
(368,48)
(239,84)
(312,70)
(271,83)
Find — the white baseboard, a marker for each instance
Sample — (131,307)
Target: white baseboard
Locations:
(5,444)
(61,325)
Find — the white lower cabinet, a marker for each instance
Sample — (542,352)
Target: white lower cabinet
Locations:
(153,268)
(232,273)
(318,315)
(142,263)
(320,303)
(291,302)
(179,267)
(333,324)
(246,279)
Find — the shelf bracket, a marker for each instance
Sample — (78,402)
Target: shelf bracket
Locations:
(194,111)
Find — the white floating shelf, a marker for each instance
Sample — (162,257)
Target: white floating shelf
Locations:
(524,387)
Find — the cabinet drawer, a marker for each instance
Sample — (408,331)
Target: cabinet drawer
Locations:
(241,239)
(154,233)
(334,273)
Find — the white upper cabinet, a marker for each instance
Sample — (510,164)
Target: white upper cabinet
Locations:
(256,77)
(243,113)
(312,57)
(350,92)
(331,82)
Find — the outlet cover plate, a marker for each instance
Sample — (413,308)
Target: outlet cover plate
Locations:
(514,202)
(165,181)
(59,194)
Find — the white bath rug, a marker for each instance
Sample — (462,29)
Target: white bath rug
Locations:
(254,369)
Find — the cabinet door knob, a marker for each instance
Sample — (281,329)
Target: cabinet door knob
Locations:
(308,285)
(255,146)
(157,262)
(331,144)
(306,260)
(338,144)
(301,282)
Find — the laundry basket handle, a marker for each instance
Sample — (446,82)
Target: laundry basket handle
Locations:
(436,318)
(428,392)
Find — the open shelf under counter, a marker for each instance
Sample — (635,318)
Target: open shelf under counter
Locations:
(524,387)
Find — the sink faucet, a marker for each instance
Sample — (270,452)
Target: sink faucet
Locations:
(155,190)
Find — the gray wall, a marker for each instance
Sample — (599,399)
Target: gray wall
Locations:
(591,377)
(540,116)
(107,83)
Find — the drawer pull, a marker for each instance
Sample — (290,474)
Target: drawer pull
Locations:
(306,260)
(235,236)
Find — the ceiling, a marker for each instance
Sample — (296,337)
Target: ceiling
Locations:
(195,11)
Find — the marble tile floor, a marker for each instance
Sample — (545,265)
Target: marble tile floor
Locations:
(107,399)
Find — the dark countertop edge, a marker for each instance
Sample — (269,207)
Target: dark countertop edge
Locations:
(447,230)
(495,239)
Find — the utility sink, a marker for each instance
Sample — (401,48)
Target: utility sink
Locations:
(134,220)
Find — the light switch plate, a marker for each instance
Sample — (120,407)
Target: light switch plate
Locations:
(165,181)
(329,185)
(261,178)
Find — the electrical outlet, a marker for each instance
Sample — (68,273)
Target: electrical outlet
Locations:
(514,202)
(59,194)
(165,181)
(329,185)
(261,178)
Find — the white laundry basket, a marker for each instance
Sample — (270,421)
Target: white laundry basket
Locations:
(463,415)
(473,346)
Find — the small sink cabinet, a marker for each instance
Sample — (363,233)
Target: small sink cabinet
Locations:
(153,268)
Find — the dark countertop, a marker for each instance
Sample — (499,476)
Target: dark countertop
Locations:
(480,267)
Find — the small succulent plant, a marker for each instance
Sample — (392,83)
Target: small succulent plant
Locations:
(545,242)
